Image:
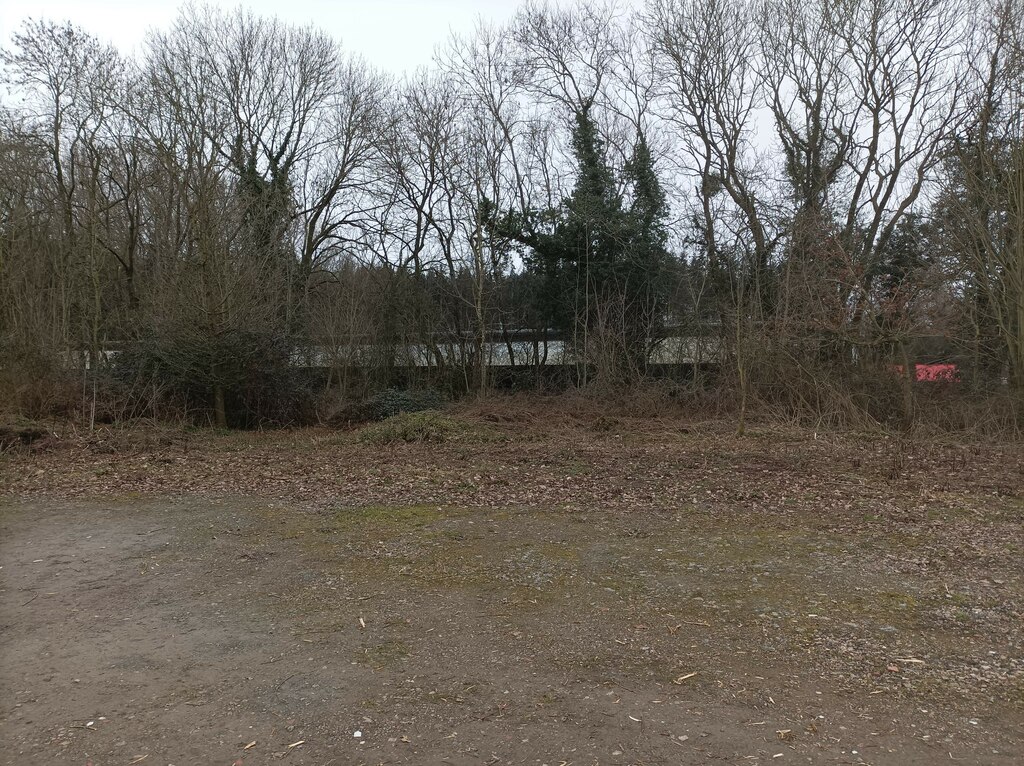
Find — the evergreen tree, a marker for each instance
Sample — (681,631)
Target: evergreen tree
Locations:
(599,261)
(648,243)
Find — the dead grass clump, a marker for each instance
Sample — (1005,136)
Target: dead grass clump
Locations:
(605,424)
(505,408)
(997,416)
(138,437)
(20,434)
(598,407)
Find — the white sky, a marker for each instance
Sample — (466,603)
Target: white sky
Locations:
(395,35)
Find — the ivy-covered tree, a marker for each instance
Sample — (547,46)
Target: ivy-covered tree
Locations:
(648,254)
(600,253)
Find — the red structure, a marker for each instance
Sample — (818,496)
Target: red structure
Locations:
(934,373)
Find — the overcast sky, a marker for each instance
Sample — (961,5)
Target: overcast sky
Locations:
(396,35)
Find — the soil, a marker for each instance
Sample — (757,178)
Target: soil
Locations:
(530,592)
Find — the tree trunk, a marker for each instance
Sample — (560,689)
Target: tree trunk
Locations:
(220,415)
(909,373)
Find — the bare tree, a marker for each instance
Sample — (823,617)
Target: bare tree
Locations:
(983,200)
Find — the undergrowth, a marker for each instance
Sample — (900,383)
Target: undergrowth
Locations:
(425,426)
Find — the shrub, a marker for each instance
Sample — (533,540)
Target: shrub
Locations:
(391,402)
(411,427)
(261,385)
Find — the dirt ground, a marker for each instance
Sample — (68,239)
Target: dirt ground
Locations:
(532,591)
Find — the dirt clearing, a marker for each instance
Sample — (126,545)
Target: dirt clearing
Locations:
(621,594)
